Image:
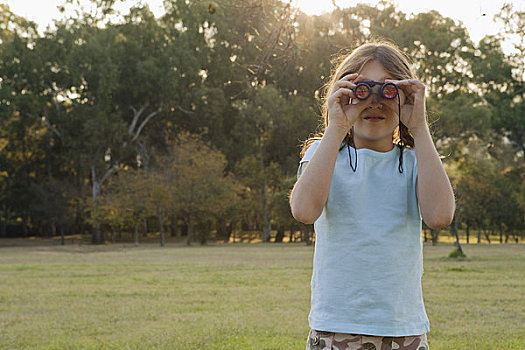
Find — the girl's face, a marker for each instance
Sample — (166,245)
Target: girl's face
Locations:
(375,125)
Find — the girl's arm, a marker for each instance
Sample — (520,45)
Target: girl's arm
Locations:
(433,189)
(310,192)
(434,192)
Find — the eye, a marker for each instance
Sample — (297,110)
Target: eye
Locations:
(389,91)
(361,91)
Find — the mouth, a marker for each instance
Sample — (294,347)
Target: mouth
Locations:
(374,118)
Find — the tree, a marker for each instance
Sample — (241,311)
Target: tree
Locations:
(200,187)
(124,202)
(511,117)
(24,138)
(106,92)
(114,88)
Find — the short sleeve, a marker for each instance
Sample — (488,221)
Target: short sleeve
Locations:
(310,151)
(414,172)
(414,177)
(307,156)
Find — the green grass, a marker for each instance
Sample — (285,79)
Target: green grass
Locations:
(233,296)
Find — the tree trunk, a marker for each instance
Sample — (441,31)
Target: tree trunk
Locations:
(180,229)
(434,233)
(25,229)
(221,228)
(97,237)
(62,237)
(173,225)
(191,227)
(292,232)
(53,228)
(468,231)
(267,225)
(183,229)
(280,234)
(309,235)
(267,230)
(3,230)
(455,228)
(265,213)
(487,236)
(145,228)
(204,232)
(136,233)
(479,230)
(79,221)
(229,230)
(500,232)
(161,227)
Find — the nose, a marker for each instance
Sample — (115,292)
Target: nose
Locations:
(376,102)
(375,95)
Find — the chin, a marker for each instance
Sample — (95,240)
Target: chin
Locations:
(371,136)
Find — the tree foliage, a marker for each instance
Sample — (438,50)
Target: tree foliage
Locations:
(194,120)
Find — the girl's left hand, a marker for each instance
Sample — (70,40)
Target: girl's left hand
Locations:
(413,110)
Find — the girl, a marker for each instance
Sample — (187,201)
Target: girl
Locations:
(366,183)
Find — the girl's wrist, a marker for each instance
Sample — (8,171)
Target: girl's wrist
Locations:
(420,131)
(337,131)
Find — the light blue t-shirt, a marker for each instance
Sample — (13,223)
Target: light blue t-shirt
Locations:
(368,259)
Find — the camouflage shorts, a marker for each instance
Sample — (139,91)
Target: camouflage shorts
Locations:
(318,340)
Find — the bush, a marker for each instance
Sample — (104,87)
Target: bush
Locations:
(457,254)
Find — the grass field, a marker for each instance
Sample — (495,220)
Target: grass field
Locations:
(231,296)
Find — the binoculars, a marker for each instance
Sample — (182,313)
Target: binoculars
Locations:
(386,90)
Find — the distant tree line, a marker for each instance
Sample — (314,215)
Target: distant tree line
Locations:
(192,122)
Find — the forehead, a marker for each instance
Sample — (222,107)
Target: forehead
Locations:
(374,70)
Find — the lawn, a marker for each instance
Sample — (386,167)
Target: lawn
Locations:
(231,296)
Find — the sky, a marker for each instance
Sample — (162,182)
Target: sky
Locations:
(476,15)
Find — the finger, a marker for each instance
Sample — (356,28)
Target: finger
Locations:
(347,81)
(342,96)
(339,92)
(354,77)
(403,95)
(343,91)
(410,87)
(404,81)
(413,84)
(358,79)
(344,83)
(394,81)
(349,76)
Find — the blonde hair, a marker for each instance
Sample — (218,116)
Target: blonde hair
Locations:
(394,61)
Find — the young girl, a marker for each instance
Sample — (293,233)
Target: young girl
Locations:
(366,184)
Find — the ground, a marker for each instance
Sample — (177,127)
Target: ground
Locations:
(231,296)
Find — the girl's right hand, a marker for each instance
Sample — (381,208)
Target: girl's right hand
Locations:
(343,107)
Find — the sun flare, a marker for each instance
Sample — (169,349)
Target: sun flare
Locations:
(313,7)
